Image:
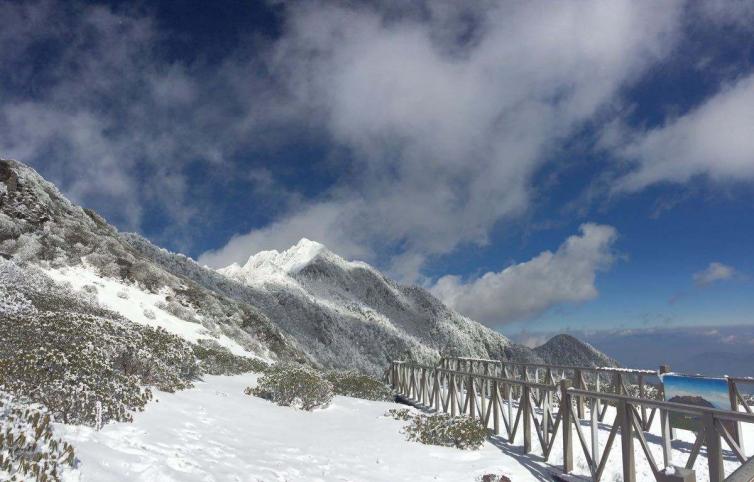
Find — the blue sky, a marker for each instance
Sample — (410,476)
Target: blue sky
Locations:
(541,167)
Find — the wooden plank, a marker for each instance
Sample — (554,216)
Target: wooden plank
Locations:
(737,450)
(512,436)
(744,473)
(700,436)
(582,440)
(608,447)
(551,442)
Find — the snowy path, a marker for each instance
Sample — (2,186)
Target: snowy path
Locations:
(214,432)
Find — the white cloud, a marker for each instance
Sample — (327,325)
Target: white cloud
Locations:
(713,273)
(446,137)
(111,120)
(714,140)
(528,289)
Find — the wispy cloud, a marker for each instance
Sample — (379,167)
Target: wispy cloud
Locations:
(713,273)
(527,289)
(713,140)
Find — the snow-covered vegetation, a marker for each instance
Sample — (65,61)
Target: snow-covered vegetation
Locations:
(351,383)
(294,385)
(442,429)
(218,360)
(28,448)
(40,227)
(67,353)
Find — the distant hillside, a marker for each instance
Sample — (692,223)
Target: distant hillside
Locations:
(568,350)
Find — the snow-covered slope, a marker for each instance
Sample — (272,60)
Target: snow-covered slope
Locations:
(75,246)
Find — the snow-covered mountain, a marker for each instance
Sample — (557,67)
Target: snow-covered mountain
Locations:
(342,310)
(305,302)
(569,350)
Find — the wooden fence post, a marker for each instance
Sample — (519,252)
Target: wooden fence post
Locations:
(495,408)
(471,396)
(734,406)
(436,393)
(714,449)
(526,414)
(627,441)
(671,431)
(579,383)
(452,392)
(565,411)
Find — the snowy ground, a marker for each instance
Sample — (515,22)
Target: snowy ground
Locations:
(214,432)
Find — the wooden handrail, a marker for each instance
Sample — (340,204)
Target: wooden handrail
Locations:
(670,406)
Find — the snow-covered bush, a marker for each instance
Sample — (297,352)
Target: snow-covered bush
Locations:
(217,360)
(294,385)
(446,430)
(493,478)
(355,384)
(158,358)
(28,450)
(399,414)
(61,362)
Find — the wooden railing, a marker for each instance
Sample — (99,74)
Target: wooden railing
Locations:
(639,383)
(513,405)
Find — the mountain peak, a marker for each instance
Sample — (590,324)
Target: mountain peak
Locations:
(265,265)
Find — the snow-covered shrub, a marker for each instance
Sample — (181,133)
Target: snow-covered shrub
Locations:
(294,385)
(493,478)
(217,360)
(64,363)
(399,414)
(28,450)
(8,229)
(446,430)
(175,308)
(355,384)
(158,358)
